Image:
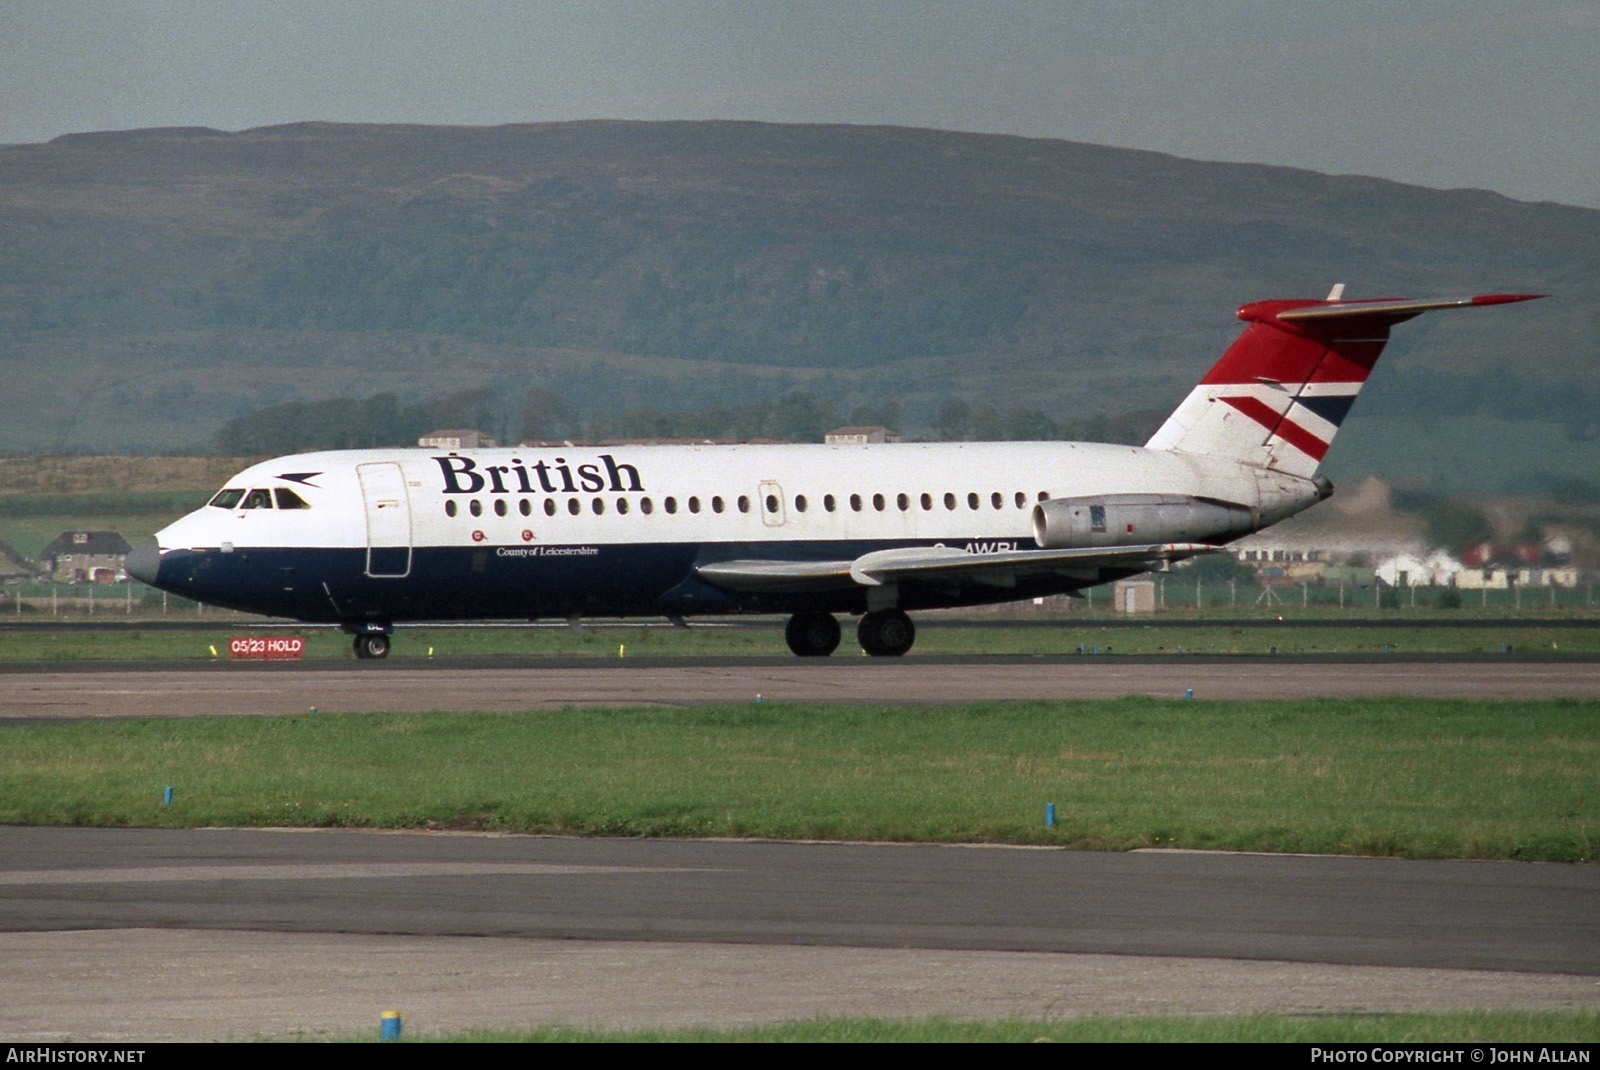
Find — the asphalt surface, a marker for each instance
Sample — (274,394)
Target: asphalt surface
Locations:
(131,935)
(28,694)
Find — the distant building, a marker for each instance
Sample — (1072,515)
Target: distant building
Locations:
(1436,568)
(855,436)
(463,438)
(1478,579)
(1133,596)
(86,557)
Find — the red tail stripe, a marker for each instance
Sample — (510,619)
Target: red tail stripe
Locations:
(1267,352)
(1264,351)
(1290,432)
(1347,362)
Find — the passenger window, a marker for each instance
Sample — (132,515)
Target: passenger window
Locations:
(744,503)
(716,503)
(877,502)
(475,507)
(257,499)
(855,503)
(828,502)
(549,507)
(902,501)
(671,504)
(949,500)
(599,507)
(499,507)
(622,506)
(1044,495)
(972,500)
(288,499)
(574,506)
(646,507)
(799,503)
(227,499)
(450,507)
(996,500)
(694,504)
(927,501)
(525,507)
(1022,500)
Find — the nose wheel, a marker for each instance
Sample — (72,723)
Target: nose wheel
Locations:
(372,646)
(886,633)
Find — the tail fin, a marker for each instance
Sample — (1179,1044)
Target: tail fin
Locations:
(1280,392)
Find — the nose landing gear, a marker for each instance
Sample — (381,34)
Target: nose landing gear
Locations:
(370,640)
(372,646)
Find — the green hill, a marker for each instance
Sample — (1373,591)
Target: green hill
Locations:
(156,284)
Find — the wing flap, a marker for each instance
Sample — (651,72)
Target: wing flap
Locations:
(942,564)
(776,576)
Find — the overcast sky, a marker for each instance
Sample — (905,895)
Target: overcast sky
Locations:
(1502,96)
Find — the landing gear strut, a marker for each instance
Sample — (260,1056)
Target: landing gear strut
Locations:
(812,634)
(886,633)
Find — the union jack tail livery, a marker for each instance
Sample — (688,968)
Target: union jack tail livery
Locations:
(1280,392)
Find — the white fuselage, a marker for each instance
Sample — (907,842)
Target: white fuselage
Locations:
(620,530)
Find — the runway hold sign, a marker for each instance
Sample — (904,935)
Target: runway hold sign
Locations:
(265,648)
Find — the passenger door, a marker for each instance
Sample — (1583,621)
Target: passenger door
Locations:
(383,491)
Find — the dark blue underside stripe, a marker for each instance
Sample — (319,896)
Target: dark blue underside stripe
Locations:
(485,583)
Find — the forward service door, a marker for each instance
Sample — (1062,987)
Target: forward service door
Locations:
(383,493)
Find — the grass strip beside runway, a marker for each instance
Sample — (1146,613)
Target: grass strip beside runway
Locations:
(1469,1027)
(1426,779)
(87,642)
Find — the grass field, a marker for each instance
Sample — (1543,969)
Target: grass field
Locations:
(1436,779)
(1087,638)
(1477,1027)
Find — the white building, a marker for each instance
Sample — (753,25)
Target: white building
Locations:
(462,438)
(856,436)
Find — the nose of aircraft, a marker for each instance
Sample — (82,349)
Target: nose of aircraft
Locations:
(144,561)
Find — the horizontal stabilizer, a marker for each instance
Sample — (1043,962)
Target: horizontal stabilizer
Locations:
(1394,311)
(1278,395)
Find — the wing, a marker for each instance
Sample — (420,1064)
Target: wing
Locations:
(943,565)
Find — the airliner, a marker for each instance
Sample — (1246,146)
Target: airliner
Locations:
(367,539)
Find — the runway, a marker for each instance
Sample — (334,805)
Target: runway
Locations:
(160,690)
(163,934)
(129,935)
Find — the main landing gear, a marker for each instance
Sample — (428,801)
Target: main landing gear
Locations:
(812,635)
(886,633)
(883,633)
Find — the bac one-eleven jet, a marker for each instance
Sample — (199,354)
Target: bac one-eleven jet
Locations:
(370,538)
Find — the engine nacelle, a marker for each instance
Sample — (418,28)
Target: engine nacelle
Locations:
(1137,519)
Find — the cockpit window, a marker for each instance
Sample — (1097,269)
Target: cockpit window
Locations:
(227,499)
(257,499)
(288,499)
